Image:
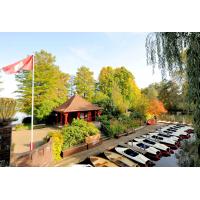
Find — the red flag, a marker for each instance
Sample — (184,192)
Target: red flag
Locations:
(25,64)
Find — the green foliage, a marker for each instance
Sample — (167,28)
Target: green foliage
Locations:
(57,144)
(7,109)
(88,127)
(119,102)
(108,106)
(124,80)
(76,132)
(100,98)
(137,115)
(169,94)
(151,91)
(85,83)
(50,86)
(117,127)
(113,126)
(188,154)
(119,85)
(72,136)
(106,80)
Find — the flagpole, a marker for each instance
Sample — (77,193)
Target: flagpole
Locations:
(32,107)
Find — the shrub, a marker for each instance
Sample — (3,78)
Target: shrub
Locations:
(57,144)
(103,118)
(117,127)
(72,135)
(112,127)
(75,133)
(86,127)
(137,115)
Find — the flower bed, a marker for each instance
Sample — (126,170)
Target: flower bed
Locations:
(71,139)
(75,149)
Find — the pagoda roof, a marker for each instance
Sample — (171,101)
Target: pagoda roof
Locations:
(76,103)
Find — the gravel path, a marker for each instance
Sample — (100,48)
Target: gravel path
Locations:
(21,139)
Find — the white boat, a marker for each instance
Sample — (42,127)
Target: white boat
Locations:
(163,148)
(149,151)
(133,155)
(171,143)
(166,135)
(178,133)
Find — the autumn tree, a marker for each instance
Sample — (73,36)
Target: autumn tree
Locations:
(50,86)
(85,83)
(167,91)
(156,107)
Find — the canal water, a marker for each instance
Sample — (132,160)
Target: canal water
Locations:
(180,157)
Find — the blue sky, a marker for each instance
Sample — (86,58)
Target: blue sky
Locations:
(73,50)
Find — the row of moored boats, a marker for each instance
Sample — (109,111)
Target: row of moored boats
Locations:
(143,150)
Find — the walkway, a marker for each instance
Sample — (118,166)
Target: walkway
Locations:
(21,139)
(108,144)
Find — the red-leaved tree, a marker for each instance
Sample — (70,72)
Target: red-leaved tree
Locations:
(156,107)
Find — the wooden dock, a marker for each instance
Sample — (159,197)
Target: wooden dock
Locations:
(106,145)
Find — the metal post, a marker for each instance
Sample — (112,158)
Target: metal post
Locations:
(32,110)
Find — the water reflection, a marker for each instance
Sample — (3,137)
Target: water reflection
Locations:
(185,156)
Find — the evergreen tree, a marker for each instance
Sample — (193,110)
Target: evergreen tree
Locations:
(50,86)
(85,83)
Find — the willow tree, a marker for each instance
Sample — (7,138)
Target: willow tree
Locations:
(165,50)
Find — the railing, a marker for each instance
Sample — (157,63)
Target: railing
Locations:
(41,156)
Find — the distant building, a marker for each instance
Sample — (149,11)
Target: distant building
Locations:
(76,107)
